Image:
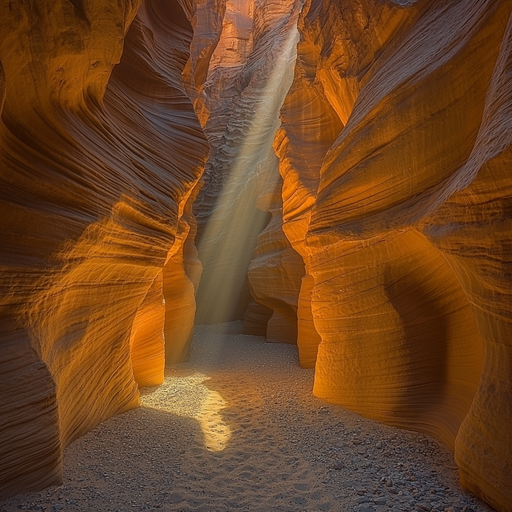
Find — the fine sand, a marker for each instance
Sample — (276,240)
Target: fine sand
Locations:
(237,428)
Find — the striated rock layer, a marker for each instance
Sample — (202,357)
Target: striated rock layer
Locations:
(400,204)
(309,126)
(98,161)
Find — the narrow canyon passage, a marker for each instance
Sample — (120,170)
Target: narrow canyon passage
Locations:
(336,173)
(237,428)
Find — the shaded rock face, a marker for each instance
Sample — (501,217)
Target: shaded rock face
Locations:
(98,161)
(344,166)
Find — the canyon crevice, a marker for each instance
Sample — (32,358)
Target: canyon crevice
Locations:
(335,173)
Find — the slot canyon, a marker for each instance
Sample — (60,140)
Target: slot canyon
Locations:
(332,174)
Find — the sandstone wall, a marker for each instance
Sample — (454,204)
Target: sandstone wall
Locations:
(275,269)
(99,149)
(402,215)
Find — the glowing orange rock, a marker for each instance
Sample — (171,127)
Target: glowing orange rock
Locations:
(309,127)
(208,17)
(276,269)
(147,342)
(473,230)
(405,349)
(181,275)
(97,163)
(410,227)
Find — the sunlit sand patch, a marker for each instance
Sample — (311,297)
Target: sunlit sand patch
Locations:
(188,397)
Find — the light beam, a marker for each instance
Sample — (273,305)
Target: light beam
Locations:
(228,239)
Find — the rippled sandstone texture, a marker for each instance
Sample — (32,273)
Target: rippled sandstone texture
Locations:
(97,163)
(275,269)
(400,204)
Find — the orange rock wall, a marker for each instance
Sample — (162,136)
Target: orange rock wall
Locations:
(473,230)
(99,149)
(401,211)
(309,126)
(207,17)
(181,277)
(275,270)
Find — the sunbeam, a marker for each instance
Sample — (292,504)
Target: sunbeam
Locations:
(227,242)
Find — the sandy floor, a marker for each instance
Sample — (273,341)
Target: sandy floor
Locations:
(237,428)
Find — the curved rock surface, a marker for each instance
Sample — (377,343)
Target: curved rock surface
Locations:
(275,270)
(181,277)
(97,163)
(404,221)
(309,126)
